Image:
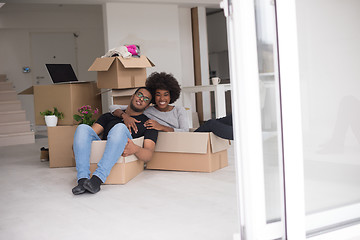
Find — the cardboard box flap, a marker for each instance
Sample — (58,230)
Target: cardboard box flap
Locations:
(29,91)
(182,142)
(133,62)
(98,147)
(102,64)
(218,144)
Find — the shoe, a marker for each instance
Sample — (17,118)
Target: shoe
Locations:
(79,189)
(92,185)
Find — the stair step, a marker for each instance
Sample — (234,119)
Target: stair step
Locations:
(6,106)
(6,86)
(12,116)
(8,95)
(14,127)
(17,138)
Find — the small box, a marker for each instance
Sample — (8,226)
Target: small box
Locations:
(122,96)
(189,151)
(67,97)
(61,140)
(119,72)
(124,170)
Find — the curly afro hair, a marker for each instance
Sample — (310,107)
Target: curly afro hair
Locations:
(163,81)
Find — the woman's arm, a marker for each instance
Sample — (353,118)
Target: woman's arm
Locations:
(183,120)
(153,124)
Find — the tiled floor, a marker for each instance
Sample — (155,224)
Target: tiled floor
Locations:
(36,203)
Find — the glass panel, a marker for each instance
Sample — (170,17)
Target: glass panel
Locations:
(266,39)
(329,37)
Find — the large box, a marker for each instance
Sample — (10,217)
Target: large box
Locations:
(119,72)
(124,170)
(60,140)
(68,98)
(189,151)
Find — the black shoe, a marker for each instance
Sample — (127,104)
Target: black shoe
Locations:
(79,189)
(93,185)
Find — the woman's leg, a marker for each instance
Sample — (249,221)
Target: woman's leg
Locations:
(83,137)
(218,127)
(115,145)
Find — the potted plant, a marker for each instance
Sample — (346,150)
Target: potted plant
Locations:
(51,117)
(85,115)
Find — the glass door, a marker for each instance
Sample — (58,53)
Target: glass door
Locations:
(296,100)
(256,111)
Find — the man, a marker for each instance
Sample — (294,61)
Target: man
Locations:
(118,142)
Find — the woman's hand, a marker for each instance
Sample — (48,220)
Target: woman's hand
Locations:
(130,122)
(152,124)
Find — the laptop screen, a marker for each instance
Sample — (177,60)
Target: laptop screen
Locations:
(61,73)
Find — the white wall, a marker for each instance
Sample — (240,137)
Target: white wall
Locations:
(162,31)
(154,27)
(17,21)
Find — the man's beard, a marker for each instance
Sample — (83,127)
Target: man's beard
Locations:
(134,108)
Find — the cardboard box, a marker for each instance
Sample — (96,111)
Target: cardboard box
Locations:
(68,98)
(60,139)
(119,72)
(189,151)
(122,96)
(124,170)
(2,77)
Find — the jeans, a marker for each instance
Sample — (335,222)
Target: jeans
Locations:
(115,145)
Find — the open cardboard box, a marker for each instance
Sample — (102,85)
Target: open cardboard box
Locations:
(67,97)
(189,151)
(60,139)
(119,72)
(124,170)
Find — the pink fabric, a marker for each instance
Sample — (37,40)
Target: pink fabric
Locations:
(132,49)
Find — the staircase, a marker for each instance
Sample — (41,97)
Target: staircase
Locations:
(14,128)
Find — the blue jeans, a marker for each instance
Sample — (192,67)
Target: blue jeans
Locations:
(115,145)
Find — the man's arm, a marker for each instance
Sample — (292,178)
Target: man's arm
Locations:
(130,122)
(97,128)
(143,153)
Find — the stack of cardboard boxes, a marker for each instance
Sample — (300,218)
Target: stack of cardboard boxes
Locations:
(68,98)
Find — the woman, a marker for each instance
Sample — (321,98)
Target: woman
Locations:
(163,115)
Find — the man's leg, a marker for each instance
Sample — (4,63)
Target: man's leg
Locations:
(115,145)
(83,137)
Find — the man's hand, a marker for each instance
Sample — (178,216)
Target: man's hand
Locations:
(129,122)
(130,148)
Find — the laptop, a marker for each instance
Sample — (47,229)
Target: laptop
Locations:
(61,73)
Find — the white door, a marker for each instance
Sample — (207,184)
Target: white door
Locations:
(316,193)
(51,47)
